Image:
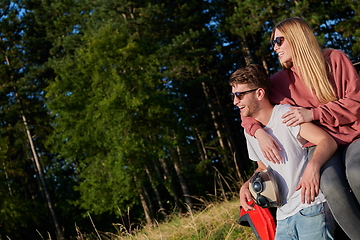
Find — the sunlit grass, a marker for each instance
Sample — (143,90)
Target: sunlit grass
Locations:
(216,221)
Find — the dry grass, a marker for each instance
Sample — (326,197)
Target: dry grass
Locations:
(216,221)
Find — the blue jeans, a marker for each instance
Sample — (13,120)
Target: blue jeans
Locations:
(314,222)
(340,183)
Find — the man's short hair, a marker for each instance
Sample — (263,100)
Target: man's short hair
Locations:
(253,74)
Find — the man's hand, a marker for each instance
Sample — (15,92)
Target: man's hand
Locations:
(245,197)
(269,146)
(309,183)
(296,116)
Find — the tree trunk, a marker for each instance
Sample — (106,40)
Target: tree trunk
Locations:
(157,194)
(216,125)
(245,48)
(146,208)
(149,201)
(59,233)
(201,145)
(230,141)
(182,180)
(170,179)
(7,179)
(265,65)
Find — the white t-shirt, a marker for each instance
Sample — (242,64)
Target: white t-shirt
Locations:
(289,171)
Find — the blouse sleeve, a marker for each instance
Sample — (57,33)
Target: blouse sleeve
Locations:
(346,109)
(250,125)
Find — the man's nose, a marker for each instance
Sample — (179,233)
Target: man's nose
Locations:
(236,100)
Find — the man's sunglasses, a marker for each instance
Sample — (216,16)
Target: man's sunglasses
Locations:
(240,95)
(279,41)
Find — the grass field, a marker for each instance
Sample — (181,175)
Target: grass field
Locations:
(216,221)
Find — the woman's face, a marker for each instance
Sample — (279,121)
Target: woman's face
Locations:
(283,51)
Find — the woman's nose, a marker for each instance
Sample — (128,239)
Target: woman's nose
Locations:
(276,47)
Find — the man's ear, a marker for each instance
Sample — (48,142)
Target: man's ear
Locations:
(260,93)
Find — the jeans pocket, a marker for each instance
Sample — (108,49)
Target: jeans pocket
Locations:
(312,211)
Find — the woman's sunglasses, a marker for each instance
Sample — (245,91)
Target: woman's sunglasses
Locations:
(279,41)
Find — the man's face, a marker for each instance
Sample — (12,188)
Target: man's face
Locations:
(246,102)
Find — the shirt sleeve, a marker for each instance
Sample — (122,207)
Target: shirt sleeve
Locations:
(346,109)
(250,143)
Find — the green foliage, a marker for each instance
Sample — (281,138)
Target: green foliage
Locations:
(104,115)
(348,24)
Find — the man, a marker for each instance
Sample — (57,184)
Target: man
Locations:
(304,213)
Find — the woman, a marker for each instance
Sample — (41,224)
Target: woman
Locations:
(324,87)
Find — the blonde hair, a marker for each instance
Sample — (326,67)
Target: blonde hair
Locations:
(307,58)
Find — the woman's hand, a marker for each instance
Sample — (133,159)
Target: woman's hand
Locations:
(309,183)
(296,116)
(269,146)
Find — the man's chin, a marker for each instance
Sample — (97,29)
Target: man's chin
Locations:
(243,114)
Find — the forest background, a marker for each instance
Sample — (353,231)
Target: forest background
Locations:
(119,109)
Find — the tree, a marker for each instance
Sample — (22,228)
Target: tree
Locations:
(25,124)
(91,131)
